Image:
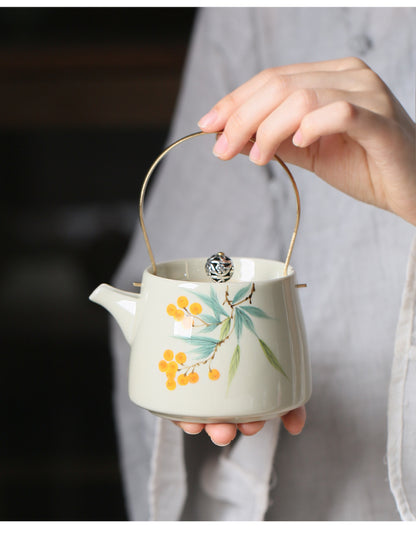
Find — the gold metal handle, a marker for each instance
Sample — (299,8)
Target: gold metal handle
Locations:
(176,143)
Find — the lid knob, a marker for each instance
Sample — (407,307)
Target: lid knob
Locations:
(219,267)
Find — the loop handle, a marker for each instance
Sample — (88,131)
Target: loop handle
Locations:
(176,143)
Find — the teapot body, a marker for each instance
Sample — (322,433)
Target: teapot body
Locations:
(212,352)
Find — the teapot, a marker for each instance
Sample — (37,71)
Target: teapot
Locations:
(214,340)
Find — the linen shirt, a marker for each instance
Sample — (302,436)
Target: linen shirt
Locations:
(356,457)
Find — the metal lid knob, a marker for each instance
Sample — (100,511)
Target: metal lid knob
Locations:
(219,267)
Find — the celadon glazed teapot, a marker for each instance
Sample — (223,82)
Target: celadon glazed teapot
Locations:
(214,340)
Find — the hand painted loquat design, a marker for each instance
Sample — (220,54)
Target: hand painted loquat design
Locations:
(228,319)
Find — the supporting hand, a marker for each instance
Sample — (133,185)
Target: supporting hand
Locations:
(223,433)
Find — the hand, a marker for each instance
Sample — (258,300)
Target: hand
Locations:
(223,433)
(335,118)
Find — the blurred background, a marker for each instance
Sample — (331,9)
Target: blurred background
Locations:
(86,98)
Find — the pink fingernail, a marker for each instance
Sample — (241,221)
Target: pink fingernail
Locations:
(221,146)
(297,139)
(220,444)
(254,153)
(207,120)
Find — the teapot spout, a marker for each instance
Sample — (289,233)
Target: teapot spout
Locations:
(121,304)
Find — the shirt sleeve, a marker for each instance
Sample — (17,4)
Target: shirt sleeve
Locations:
(401,446)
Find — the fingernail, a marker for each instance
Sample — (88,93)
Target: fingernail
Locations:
(297,139)
(207,120)
(254,153)
(220,444)
(221,146)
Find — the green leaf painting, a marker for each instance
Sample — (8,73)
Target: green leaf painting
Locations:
(241,294)
(212,302)
(225,329)
(211,327)
(216,306)
(229,318)
(203,346)
(235,361)
(247,322)
(255,312)
(238,323)
(208,318)
(271,357)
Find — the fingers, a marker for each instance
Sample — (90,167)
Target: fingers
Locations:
(221,434)
(339,117)
(216,118)
(286,119)
(272,104)
(294,421)
(190,428)
(249,429)
(273,124)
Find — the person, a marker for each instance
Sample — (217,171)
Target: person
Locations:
(260,71)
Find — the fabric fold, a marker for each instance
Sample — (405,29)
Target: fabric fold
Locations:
(167,482)
(240,475)
(401,445)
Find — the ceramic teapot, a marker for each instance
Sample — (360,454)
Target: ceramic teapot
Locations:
(214,340)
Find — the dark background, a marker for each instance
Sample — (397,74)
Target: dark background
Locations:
(86,97)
